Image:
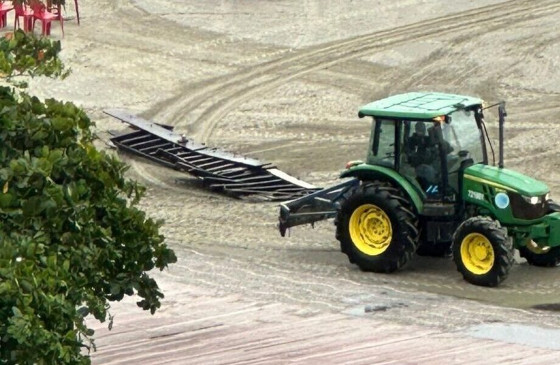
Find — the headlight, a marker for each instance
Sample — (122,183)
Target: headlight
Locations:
(501,200)
(531,199)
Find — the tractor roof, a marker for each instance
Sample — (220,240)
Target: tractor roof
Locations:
(421,105)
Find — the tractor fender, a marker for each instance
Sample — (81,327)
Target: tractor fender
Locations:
(367,172)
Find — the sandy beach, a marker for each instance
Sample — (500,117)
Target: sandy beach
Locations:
(281,81)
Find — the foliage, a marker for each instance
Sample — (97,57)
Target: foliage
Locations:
(71,236)
(22,55)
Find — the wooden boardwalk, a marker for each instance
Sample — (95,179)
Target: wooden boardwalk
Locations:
(195,328)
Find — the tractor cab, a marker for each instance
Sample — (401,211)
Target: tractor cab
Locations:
(428,138)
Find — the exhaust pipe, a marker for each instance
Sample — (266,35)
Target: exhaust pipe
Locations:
(502,114)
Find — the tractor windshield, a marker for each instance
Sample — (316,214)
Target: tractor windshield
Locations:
(463,135)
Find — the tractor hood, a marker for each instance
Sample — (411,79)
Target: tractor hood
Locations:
(506,179)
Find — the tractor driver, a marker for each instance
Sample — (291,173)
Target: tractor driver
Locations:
(422,153)
(420,147)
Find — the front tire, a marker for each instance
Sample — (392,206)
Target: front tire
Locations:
(482,251)
(377,228)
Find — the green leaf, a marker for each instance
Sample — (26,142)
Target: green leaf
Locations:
(83,311)
(26,285)
(32,206)
(17,312)
(6,200)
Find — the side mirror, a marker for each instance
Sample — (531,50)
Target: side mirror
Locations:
(502,113)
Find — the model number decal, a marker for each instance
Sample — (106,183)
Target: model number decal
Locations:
(432,189)
(476,195)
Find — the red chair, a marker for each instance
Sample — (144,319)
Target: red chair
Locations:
(55,8)
(22,11)
(5,7)
(41,13)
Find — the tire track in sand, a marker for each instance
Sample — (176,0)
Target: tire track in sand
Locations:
(217,98)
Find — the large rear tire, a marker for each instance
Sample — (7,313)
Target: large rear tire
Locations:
(482,251)
(550,258)
(377,228)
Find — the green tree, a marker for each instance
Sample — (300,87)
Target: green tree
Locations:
(72,238)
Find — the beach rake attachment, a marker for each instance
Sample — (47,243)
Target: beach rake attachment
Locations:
(219,170)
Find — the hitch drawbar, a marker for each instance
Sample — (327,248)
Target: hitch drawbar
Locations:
(314,207)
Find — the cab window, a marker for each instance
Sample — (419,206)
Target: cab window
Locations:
(382,143)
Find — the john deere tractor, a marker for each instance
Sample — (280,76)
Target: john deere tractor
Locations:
(427,187)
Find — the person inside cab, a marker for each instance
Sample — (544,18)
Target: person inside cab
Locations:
(422,153)
(420,148)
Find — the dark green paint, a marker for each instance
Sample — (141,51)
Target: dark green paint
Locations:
(511,180)
(374,172)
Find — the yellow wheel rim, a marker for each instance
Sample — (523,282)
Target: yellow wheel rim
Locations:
(477,253)
(370,229)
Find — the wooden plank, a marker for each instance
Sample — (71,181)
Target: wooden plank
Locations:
(198,328)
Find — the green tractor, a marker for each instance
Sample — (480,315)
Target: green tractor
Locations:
(427,188)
